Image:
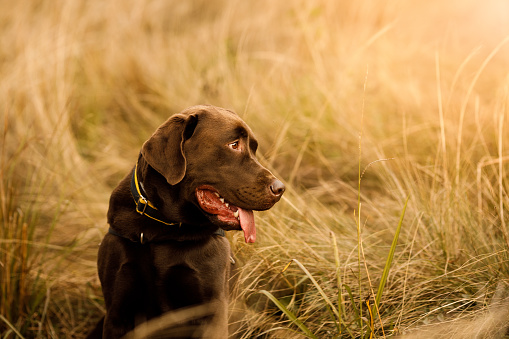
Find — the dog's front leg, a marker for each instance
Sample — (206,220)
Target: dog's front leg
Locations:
(125,300)
(124,288)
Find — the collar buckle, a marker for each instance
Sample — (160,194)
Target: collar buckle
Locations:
(141,201)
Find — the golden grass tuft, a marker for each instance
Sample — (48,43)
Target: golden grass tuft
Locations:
(330,88)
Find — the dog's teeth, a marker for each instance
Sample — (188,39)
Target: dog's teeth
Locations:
(222,200)
(236,214)
(217,194)
(227,204)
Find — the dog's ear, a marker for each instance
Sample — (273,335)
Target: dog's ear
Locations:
(164,150)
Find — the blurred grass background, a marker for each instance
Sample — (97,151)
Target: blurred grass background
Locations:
(413,94)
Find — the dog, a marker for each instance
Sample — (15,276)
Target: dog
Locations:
(196,177)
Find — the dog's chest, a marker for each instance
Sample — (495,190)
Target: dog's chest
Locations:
(212,252)
(189,273)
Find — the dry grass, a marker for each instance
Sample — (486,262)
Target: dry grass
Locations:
(424,83)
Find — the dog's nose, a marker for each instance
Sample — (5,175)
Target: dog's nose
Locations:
(277,188)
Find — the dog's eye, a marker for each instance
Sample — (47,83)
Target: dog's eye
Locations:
(234,145)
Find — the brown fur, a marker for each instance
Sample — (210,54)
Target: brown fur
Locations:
(187,264)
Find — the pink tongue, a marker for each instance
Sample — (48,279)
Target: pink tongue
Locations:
(248,225)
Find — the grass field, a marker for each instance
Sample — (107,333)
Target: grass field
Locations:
(358,105)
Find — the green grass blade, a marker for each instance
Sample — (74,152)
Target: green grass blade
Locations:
(289,314)
(318,288)
(354,305)
(390,257)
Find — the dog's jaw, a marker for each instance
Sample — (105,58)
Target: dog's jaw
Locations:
(225,214)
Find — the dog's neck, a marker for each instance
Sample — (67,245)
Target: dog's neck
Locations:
(143,205)
(159,226)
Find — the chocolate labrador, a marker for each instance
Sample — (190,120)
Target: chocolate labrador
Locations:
(195,177)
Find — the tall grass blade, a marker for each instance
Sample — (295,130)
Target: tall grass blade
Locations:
(341,301)
(338,278)
(358,222)
(289,314)
(390,257)
(11,326)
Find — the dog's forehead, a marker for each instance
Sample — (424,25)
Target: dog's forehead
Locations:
(225,122)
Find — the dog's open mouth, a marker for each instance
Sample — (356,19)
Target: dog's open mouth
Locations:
(211,202)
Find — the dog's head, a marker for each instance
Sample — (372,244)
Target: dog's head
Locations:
(209,153)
